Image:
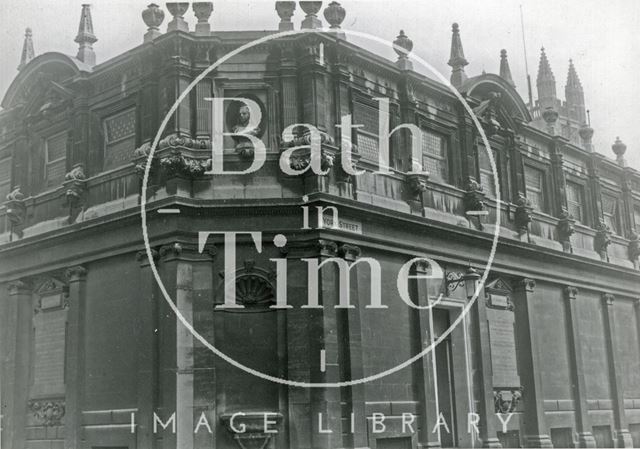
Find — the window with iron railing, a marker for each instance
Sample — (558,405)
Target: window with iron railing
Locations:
(535,187)
(5,178)
(435,158)
(55,159)
(575,201)
(120,138)
(610,213)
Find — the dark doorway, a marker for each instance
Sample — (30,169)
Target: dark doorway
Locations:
(444,372)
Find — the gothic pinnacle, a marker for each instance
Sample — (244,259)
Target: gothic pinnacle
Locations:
(85,37)
(505,71)
(27,49)
(457,61)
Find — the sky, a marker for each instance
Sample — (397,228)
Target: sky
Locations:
(600,37)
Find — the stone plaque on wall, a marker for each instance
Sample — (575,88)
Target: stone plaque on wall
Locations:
(49,351)
(503,348)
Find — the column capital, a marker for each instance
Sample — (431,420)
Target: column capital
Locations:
(349,252)
(608,298)
(143,258)
(526,284)
(19,286)
(327,248)
(570,292)
(186,251)
(75,274)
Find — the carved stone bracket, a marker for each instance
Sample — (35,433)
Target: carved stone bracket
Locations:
(602,240)
(47,412)
(16,210)
(608,299)
(528,285)
(566,229)
(416,185)
(523,215)
(506,401)
(140,160)
(75,186)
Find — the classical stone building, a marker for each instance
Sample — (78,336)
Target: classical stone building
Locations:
(94,357)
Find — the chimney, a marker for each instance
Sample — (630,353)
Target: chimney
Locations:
(86,38)
(27,49)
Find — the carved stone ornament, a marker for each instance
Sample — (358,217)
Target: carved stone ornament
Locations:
(327,248)
(523,214)
(48,413)
(254,290)
(602,240)
(474,198)
(506,401)
(301,158)
(285,11)
(487,110)
(566,229)
(175,164)
(75,185)
(16,208)
(349,252)
(334,14)
(153,17)
(253,423)
(634,247)
(416,184)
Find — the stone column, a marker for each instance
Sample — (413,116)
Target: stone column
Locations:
(17,356)
(530,368)
(75,355)
(559,183)
(147,339)
(583,422)
(615,373)
(486,408)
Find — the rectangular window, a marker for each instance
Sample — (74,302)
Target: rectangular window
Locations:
(610,213)
(575,201)
(5,178)
(120,138)
(368,134)
(487,178)
(55,159)
(636,216)
(534,181)
(434,156)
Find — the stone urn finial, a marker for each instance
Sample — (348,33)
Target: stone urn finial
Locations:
(285,12)
(311,9)
(203,11)
(177,10)
(403,46)
(586,134)
(550,117)
(619,148)
(334,14)
(153,17)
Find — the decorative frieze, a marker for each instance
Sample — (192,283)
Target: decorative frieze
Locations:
(48,412)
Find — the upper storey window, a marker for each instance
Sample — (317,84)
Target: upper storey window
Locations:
(610,213)
(366,115)
(487,177)
(5,177)
(636,216)
(534,180)
(575,201)
(55,159)
(434,156)
(120,136)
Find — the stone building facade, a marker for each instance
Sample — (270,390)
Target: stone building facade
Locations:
(94,357)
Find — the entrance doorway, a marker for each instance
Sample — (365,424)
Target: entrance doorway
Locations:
(444,375)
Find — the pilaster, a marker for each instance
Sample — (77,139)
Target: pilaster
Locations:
(75,355)
(615,373)
(535,432)
(583,422)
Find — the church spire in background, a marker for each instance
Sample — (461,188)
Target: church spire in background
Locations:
(457,60)
(505,71)
(27,49)
(574,95)
(86,38)
(546,83)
